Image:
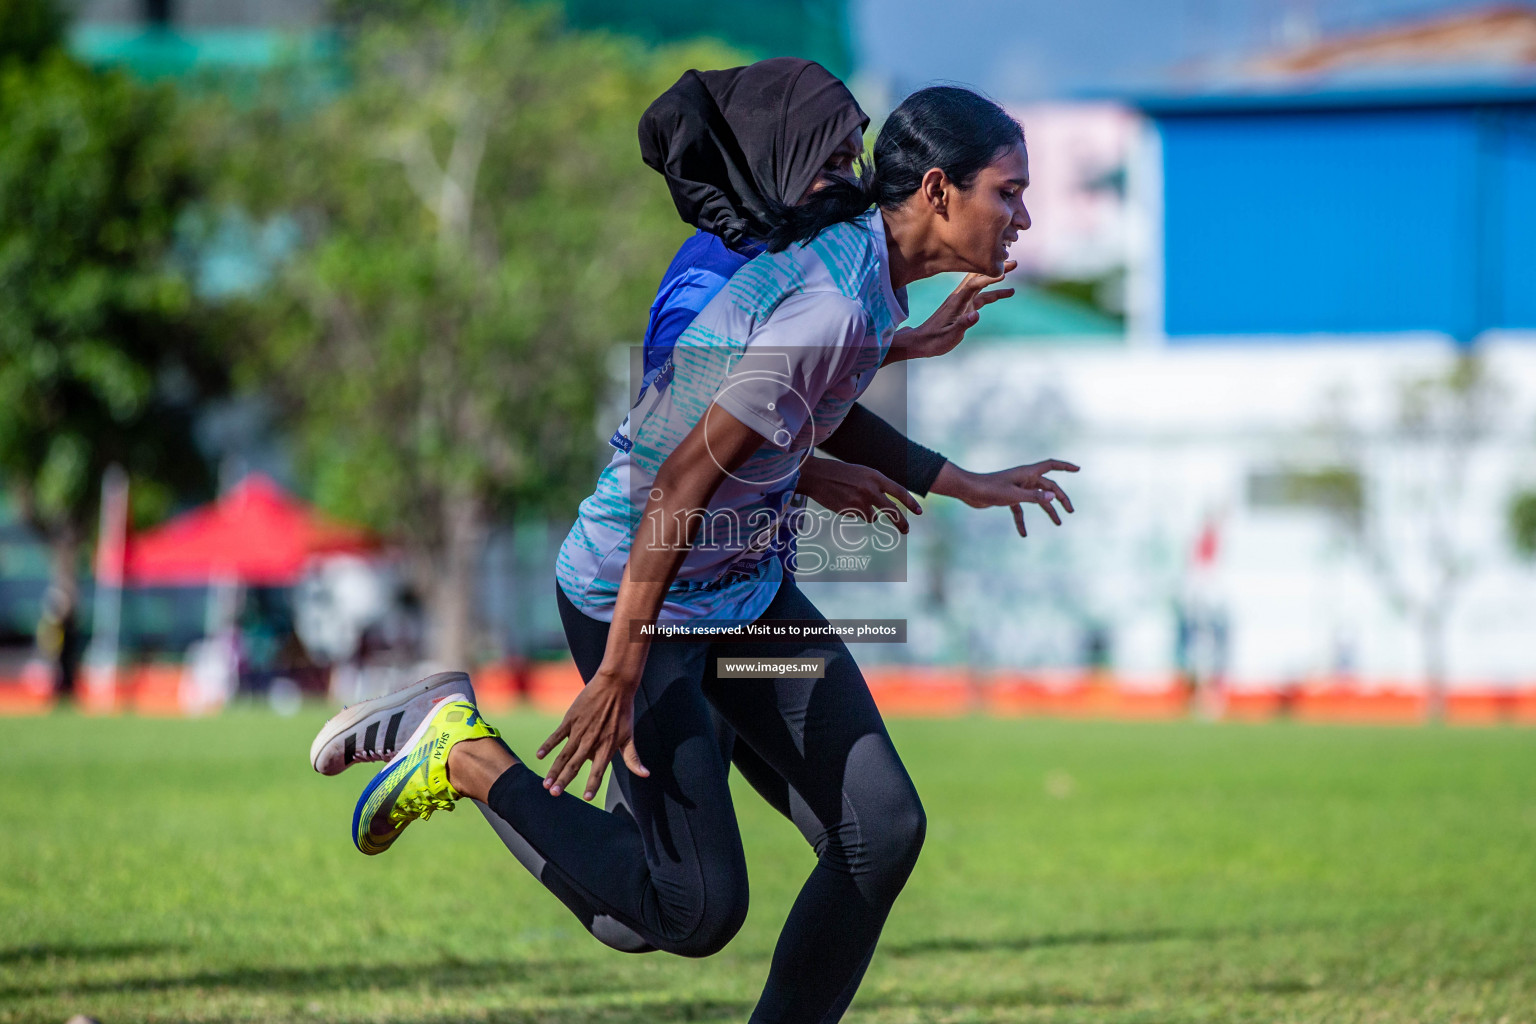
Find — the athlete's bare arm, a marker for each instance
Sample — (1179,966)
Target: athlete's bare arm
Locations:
(598,723)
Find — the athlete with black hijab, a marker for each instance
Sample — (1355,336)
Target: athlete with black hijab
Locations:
(950,170)
(738,148)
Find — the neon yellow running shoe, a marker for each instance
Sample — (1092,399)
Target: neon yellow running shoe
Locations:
(415,782)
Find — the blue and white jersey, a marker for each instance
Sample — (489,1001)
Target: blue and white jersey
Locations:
(786,347)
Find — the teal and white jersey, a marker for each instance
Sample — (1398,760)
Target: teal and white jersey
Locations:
(787,347)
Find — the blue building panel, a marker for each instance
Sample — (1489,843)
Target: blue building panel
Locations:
(1327,221)
(1306,217)
(1515,218)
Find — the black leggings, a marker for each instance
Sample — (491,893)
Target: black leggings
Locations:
(667,866)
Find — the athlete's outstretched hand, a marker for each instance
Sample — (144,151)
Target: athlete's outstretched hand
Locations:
(853,490)
(1014,487)
(946,328)
(598,724)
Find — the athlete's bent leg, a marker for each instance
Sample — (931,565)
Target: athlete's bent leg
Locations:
(672,871)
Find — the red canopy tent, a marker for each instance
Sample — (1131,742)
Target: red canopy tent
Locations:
(256,534)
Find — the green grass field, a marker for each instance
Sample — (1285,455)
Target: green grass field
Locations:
(1105,872)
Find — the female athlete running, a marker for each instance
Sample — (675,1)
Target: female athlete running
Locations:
(737,148)
(680,531)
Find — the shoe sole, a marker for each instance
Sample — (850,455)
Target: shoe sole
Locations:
(407,751)
(347,718)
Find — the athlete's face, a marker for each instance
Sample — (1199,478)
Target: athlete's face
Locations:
(840,163)
(977,224)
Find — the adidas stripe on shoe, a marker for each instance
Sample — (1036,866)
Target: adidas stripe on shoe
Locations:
(372,730)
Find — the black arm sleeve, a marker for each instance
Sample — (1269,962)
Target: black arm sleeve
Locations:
(868,440)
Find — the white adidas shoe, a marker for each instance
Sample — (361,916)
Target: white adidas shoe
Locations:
(372,730)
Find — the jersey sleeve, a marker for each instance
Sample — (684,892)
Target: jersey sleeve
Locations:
(868,440)
(789,362)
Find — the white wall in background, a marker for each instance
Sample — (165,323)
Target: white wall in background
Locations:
(1169,439)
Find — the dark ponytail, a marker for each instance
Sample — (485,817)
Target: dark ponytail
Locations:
(840,200)
(953,129)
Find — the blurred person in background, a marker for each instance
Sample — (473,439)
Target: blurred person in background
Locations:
(59,642)
(825,299)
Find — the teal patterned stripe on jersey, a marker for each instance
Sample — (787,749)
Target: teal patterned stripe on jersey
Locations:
(846,254)
(762,284)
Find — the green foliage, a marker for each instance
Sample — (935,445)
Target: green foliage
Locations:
(29,29)
(1073,872)
(1522,523)
(1338,490)
(101,355)
(479,235)
(1454,405)
(1101,294)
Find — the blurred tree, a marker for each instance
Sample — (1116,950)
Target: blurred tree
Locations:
(1338,491)
(101,355)
(479,234)
(29,29)
(1417,558)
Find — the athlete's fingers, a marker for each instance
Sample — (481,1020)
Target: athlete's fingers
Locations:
(1043,499)
(965,291)
(553,771)
(970,284)
(595,776)
(891,487)
(973,283)
(560,733)
(986,298)
(565,764)
(571,767)
(1018,520)
(632,759)
(1061,495)
(885,507)
(1057,464)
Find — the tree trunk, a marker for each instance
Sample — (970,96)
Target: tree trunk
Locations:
(451,595)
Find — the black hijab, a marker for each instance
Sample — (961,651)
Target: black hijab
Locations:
(735,144)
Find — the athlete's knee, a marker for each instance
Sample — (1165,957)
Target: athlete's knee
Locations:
(897,839)
(723,916)
(877,842)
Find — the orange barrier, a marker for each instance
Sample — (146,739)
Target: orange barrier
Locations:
(929,692)
(500,685)
(1256,705)
(1491,707)
(154,689)
(29,694)
(1079,695)
(1338,703)
(553,685)
(548,686)
(925,692)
